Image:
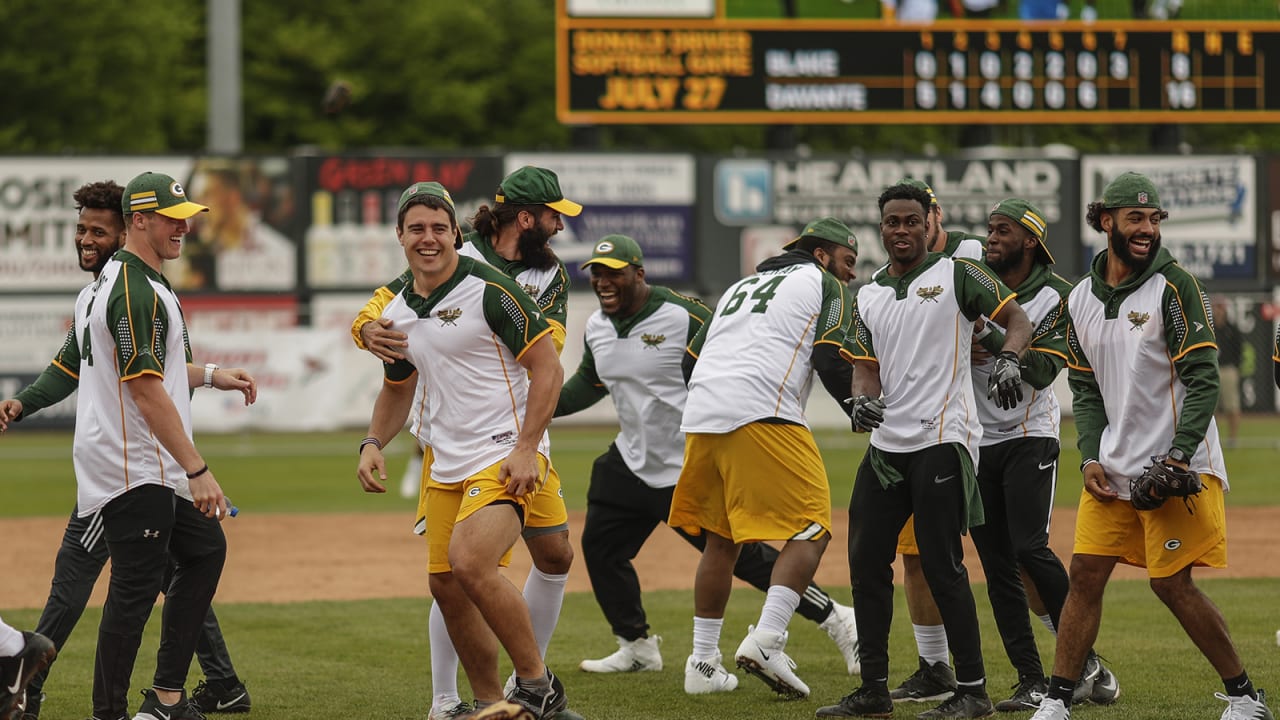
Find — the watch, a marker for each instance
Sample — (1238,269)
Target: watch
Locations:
(1178,456)
(208,374)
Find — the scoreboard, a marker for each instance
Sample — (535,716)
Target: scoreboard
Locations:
(613,71)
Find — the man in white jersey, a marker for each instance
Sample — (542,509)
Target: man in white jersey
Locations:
(911,327)
(1018,463)
(513,236)
(22,656)
(135,459)
(933,679)
(467,326)
(751,469)
(634,345)
(1143,368)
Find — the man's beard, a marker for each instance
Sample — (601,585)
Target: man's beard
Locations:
(1007,261)
(534,250)
(1119,245)
(101,262)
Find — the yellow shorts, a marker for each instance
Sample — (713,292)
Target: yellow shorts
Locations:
(907,538)
(762,481)
(1164,541)
(448,503)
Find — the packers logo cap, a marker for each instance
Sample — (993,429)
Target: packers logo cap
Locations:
(617,252)
(161,194)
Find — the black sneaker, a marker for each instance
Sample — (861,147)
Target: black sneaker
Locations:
(1089,674)
(17,670)
(1027,694)
(866,701)
(544,704)
(1106,689)
(220,696)
(929,682)
(32,709)
(961,704)
(153,709)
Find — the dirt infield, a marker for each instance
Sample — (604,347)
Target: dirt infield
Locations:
(290,558)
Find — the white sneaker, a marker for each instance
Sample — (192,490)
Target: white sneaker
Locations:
(453,711)
(639,655)
(1052,709)
(509,685)
(1245,707)
(761,654)
(843,630)
(707,676)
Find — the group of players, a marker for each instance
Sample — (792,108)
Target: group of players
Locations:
(935,357)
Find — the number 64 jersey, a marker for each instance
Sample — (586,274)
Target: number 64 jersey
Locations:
(754,353)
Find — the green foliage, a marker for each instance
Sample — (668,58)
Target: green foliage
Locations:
(303,660)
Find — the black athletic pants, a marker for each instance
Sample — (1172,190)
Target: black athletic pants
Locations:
(76,570)
(144,527)
(932,490)
(1016,478)
(621,513)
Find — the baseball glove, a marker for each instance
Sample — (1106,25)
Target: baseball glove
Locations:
(1161,481)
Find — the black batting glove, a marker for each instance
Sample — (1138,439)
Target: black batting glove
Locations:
(866,413)
(1004,387)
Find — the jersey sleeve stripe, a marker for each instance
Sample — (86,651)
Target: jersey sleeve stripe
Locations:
(535,339)
(1183,354)
(69,372)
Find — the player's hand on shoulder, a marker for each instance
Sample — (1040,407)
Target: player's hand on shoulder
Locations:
(386,344)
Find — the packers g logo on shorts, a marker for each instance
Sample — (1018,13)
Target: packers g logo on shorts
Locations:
(1172,544)
(473,492)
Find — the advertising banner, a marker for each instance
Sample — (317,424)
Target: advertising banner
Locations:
(758,203)
(647,197)
(242,243)
(351,206)
(1212,201)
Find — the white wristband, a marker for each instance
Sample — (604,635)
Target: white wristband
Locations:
(208,374)
(985,331)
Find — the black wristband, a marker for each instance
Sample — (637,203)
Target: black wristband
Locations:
(198,473)
(371,440)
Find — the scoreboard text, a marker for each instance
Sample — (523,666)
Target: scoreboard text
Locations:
(629,71)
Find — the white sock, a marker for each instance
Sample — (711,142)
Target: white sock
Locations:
(706,637)
(1048,622)
(780,604)
(931,642)
(444,661)
(11,642)
(544,594)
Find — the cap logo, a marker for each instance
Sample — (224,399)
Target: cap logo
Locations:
(175,189)
(1142,198)
(604,246)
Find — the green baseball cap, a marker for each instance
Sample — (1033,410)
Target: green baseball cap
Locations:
(536,186)
(920,185)
(158,193)
(422,189)
(617,252)
(1029,217)
(1131,189)
(830,229)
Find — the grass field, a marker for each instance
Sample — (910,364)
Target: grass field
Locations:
(321,660)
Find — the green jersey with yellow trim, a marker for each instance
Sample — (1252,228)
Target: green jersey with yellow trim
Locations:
(1143,367)
(754,353)
(128,323)
(465,341)
(919,328)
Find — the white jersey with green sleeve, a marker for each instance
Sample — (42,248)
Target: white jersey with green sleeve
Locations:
(754,354)
(128,324)
(465,341)
(919,328)
(638,363)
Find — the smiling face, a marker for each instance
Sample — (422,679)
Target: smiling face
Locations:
(903,226)
(1133,235)
(427,236)
(620,292)
(99,233)
(155,238)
